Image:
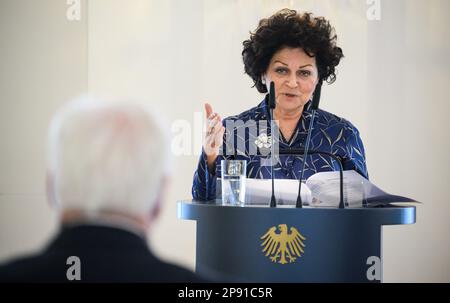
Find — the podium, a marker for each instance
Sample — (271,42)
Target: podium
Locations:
(249,244)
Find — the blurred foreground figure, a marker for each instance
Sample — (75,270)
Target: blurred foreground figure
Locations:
(107,169)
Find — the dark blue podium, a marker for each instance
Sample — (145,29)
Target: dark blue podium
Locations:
(286,244)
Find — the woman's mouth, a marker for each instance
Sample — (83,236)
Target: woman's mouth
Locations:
(290,95)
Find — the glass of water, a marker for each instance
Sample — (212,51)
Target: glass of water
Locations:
(234,173)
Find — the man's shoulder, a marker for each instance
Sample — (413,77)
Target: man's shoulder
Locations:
(39,267)
(118,257)
(128,268)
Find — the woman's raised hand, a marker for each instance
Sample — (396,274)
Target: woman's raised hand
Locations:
(213,136)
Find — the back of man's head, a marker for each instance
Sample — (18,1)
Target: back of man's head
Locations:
(106,157)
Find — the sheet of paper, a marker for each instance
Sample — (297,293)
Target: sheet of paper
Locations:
(320,190)
(358,191)
(259,191)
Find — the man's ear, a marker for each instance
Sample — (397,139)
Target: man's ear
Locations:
(50,190)
(156,210)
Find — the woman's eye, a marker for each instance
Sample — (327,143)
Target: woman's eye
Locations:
(305,73)
(281,71)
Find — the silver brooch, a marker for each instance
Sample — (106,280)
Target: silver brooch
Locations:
(263,141)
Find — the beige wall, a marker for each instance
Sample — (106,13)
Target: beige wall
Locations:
(177,54)
(42,64)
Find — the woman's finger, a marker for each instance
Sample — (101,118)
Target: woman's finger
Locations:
(218,138)
(214,125)
(215,133)
(208,110)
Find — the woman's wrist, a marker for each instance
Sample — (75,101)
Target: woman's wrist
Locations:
(211,163)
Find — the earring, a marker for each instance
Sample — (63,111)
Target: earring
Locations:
(263,81)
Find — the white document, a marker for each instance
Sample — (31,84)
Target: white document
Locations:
(320,190)
(325,189)
(259,191)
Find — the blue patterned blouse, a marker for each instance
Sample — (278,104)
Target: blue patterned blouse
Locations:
(330,133)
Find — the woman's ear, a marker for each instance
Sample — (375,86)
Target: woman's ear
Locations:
(265,81)
(318,78)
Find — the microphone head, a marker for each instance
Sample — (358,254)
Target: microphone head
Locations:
(316,97)
(272,102)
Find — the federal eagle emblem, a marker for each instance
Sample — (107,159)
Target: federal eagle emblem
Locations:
(283,247)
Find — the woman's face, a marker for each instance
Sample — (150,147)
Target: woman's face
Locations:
(295,76)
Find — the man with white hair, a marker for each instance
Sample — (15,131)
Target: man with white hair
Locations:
(107,166)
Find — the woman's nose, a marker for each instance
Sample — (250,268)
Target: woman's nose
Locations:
(292,81)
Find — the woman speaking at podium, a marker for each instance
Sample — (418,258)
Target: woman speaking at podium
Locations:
(296,52)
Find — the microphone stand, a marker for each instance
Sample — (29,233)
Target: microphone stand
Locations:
(272,104)
(305,153)
(270,99)
(314,107)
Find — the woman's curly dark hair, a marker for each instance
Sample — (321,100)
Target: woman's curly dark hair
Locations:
(287,28)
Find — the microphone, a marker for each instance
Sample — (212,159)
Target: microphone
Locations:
(270,101)
(316,96)
(314,107)
(272,104)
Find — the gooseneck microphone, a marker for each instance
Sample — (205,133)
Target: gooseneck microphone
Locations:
(314,107)
(272,104)
(270,101)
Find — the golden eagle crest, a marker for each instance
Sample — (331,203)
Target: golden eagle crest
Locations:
(283,245)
